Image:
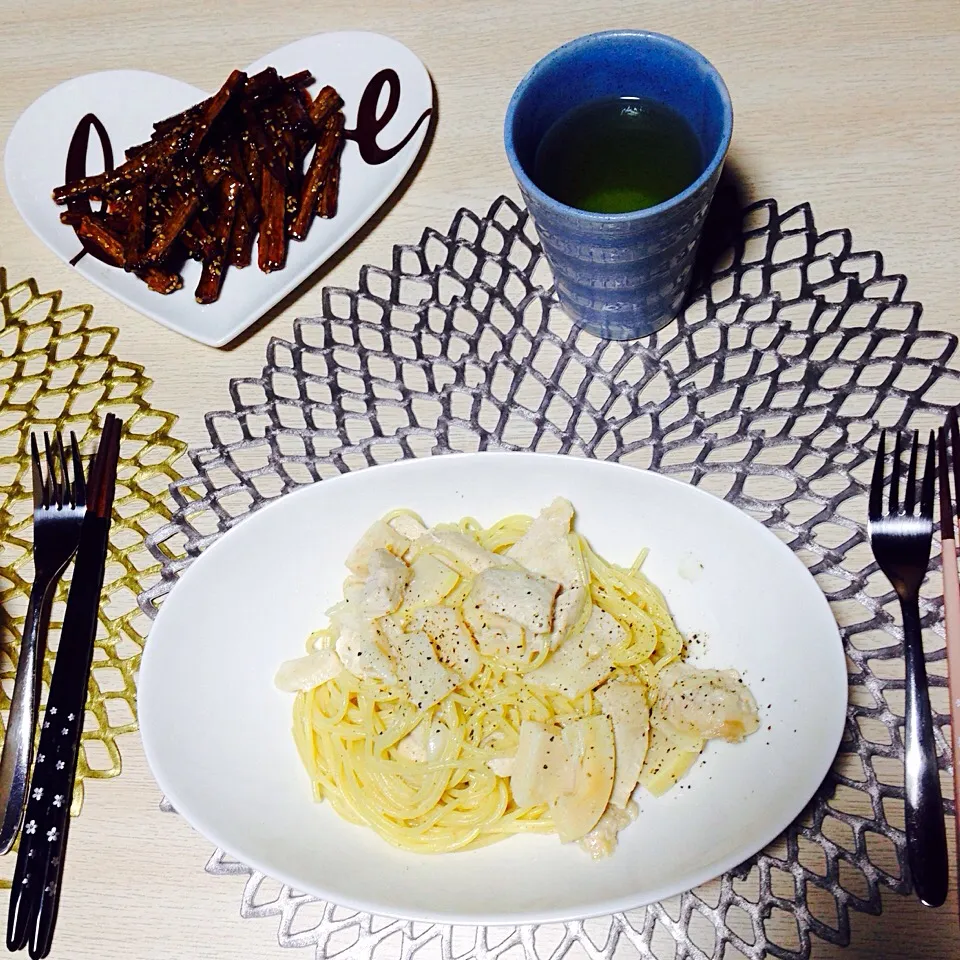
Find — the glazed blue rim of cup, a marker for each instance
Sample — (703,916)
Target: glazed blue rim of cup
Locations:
(582,44)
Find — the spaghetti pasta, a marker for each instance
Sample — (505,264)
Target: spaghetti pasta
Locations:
(437,707)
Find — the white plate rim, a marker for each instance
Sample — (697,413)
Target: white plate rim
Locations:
(709,872)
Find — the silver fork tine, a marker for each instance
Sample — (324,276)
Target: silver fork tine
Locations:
(910,494)
(926,490)
(64,475)
(895,476)
(38,487)
(53,488)
(79,483)
(876,484)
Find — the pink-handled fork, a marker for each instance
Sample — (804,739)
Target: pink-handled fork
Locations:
(951,591)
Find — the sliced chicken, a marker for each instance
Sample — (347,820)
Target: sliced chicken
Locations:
(517,595)
(380,536)
(545,550)
(360,652)
(539,548)
(705,703)
(601,841)
(363,650)
(584,659)
(495,635)
(305,673)
(432,580)
(450,636)
(566,612)
(625,703)
(383,588)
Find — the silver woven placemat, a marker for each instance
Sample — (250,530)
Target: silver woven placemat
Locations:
(769,391)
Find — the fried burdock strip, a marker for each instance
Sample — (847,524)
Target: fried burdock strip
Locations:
(160,280)
(238,169)
(241,240)
(172,141)
(296,118)
(140,169)
(272,246)
(211,278)
(330,194)
(282,144)
(326,101)
(266,147)
(159,210)
(213,165)
(196,240)
(294,181)
(302,78)
(249,212)
(268,84)
(90,229)
(200,129)
(284,149)
(133,209)
(327,150)
(252,163)
(190,116)
(183,209)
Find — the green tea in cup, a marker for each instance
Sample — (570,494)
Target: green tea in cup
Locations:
(617,154)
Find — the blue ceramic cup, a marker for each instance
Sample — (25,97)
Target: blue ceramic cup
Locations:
(620,275)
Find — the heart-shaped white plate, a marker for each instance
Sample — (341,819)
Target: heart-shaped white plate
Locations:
(396,109)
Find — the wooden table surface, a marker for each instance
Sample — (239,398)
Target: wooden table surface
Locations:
(853,107)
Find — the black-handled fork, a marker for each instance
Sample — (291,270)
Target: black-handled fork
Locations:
(35,894)
(901,540)
(58,509)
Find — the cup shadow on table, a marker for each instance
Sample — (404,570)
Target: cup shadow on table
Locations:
(358,238)
(723,230)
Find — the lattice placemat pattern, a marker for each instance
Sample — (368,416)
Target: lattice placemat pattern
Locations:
(58,371)
(769,391)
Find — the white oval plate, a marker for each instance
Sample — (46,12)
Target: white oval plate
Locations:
(129,102)
(217,733)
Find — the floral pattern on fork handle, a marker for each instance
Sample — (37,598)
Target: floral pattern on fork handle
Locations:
(47,820)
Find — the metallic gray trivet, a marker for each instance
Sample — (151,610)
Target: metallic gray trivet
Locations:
(768,392)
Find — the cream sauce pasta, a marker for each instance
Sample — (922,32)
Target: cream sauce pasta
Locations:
(477,682)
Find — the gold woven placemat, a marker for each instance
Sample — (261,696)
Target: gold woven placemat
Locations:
(58,371)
